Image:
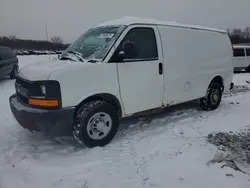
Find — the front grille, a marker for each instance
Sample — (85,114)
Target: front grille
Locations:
(23,83)
(22,99)
(22,88)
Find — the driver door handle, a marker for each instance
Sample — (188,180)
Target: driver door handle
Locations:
(160,69)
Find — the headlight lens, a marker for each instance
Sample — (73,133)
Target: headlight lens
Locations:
(46,94)
(39,93)
(43,89)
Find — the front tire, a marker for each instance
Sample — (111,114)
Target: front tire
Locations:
(96,124)
(213,97)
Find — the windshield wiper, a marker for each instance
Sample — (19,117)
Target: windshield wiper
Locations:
(92,61)
(66,58)
(77,54)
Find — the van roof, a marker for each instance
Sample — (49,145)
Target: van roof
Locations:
(134,20)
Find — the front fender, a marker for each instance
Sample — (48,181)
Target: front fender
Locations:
(106,97)
(85,80)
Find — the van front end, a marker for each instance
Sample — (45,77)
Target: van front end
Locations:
(37,106)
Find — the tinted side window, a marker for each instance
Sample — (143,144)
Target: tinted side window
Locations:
(239,52)
(248,51)
(6,53)
(145,43)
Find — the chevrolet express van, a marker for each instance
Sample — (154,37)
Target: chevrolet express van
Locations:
(121,68)
(241,57)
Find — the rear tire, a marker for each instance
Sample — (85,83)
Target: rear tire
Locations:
(14,73)
(96,124)
(248,69)
(213,97)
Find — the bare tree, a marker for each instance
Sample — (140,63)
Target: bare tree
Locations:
(237,32)
(237,36)
(16,43)
(12,37)
(57,40)
(247,33)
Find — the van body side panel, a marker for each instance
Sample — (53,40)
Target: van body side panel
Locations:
(241,62)
(192,58)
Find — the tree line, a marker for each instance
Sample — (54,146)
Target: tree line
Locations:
(239,35)
(56,43)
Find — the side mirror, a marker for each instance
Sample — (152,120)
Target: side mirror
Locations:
(121,54)
(119,57)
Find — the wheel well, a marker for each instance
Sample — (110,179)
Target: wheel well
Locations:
(104,97)
(218,79)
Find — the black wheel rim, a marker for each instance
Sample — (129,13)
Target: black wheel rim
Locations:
(215,97)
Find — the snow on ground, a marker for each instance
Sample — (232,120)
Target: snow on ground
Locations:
(168,149)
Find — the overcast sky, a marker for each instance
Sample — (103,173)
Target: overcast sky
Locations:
(70,18)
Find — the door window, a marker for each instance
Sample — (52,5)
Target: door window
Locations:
(239,52)
(139,44)
(248,52)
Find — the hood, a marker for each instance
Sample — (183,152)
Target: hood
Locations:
(42,70)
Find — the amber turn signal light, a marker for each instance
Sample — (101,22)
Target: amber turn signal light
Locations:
(44,102)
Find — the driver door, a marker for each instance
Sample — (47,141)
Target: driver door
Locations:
(140,68)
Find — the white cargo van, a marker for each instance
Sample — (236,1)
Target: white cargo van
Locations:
(241,59)
(121,68)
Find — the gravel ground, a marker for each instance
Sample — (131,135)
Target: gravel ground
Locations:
(236,90)
(234,149)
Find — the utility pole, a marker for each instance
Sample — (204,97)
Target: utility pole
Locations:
(46,32)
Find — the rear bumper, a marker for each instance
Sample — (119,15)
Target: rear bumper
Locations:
(58,121)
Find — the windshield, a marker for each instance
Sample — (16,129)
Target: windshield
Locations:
(95,43)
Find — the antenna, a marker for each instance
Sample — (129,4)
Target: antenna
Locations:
(46,32)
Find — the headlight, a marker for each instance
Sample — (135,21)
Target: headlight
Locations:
(45,94)
(43,89)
